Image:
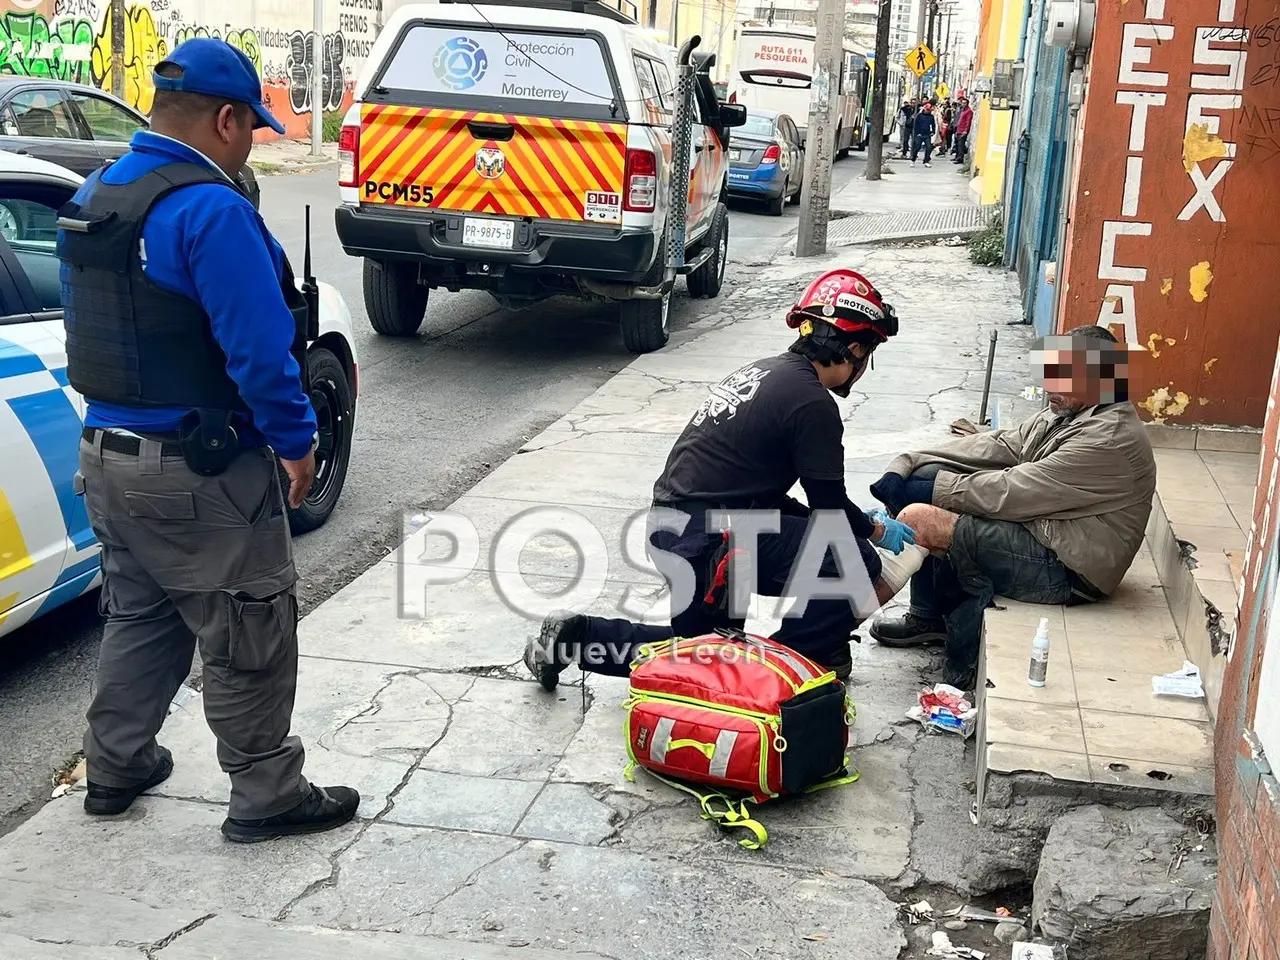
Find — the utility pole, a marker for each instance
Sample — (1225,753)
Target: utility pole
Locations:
(946,48)
(820,139)
(317,61)
(879,91)
(675,23)
(920,16)
(117,48)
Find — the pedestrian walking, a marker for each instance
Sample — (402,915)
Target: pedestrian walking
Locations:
(925,127)
(180,315)
(948,125)
(964,124)
(906,119)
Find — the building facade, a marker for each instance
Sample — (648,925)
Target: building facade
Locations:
(71,40)
(1170,232)
(1245,922)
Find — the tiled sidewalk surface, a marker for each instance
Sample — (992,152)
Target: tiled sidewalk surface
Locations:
(875,227)
(495,816)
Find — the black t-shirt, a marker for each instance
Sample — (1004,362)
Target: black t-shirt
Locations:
(762,428)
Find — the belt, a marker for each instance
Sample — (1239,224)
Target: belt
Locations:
(118,443)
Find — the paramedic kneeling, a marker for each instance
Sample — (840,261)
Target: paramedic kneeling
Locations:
(765,427)
(181,319)
(1051,510)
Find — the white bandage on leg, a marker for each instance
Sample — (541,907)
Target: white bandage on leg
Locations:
(896,570)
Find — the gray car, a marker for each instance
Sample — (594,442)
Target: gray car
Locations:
(76,126)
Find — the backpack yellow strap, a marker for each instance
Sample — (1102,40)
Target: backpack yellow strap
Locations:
(851,776)
(732,817)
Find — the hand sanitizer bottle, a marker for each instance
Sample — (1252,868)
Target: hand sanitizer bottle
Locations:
(1039,655)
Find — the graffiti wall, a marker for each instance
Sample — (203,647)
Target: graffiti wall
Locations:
(1172,232)
(71,40)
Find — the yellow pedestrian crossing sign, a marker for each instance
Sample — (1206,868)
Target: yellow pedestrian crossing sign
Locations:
(920,60)
(943,91)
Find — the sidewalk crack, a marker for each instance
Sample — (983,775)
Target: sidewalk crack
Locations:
(335,867)
(151,949)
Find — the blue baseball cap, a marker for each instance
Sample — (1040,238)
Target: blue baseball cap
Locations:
(217,69)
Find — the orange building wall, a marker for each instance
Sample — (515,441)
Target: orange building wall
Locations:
(1174,232)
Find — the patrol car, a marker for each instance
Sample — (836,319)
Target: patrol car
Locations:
(48,553)
(525,149)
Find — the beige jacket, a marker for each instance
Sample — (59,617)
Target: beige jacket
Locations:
(1082,486)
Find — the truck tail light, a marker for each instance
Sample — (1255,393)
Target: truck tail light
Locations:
(348,150)
(772,154)
(733,97)
(641,181)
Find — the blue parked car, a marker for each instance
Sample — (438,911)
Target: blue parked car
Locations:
(766,160)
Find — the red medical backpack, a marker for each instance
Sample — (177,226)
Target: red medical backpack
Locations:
(740,713)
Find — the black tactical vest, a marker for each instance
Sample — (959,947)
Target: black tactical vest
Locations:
(128,340)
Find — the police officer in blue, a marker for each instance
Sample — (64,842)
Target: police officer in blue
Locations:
(182,334)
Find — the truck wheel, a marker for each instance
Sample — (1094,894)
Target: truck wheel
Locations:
(332,400)
(644,324)
(707,280)
(394,300)
(841,152)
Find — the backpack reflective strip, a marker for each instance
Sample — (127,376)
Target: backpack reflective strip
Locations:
(661,739)
(724,750)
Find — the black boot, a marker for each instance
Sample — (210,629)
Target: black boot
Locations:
(554,648)
(106,801)
(910,631)
(323,809)
(841,663)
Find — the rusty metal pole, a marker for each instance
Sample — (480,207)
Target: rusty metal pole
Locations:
(117,48)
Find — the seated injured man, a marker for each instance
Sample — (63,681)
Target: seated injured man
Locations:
(761,430)
(1049,511)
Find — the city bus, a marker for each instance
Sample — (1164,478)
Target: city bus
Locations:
(895,92)
(773,70)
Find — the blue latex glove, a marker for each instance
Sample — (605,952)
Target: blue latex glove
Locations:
(896,533)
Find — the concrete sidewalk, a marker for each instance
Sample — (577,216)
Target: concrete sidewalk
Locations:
(495,819)
(908,202)
(290,156)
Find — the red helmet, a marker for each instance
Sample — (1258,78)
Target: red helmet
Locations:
(848,302)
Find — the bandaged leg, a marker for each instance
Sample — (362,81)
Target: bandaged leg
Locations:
(897,569)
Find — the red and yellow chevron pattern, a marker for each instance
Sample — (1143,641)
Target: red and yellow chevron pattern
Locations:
(546,168)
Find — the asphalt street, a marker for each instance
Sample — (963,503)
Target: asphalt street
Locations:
(436,413)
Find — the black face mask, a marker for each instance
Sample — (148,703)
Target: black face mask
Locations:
(844,389)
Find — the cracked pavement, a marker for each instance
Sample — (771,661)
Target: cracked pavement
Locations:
(495,820)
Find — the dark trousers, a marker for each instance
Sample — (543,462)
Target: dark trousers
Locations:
(821,633)
(925,141)
(962,147)
(905,138)
(988,558)
(188,559)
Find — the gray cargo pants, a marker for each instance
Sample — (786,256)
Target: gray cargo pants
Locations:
(187,558)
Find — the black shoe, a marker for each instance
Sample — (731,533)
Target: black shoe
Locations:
(106,801)
(840,662)
(323,809)
(910,631)
(966,680)
(548,654)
